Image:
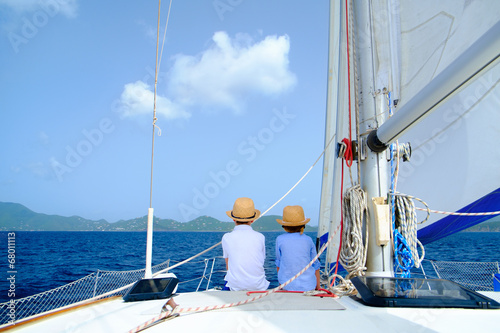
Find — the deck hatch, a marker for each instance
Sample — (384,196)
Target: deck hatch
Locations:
(147,289)
(422,293)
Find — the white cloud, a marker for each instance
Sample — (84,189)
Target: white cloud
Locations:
(221,77)
(138,99)
(51,7)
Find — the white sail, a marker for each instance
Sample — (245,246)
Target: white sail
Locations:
(434,33)
(454,149)
(330,159)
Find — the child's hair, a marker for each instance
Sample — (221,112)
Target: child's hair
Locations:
(292,230)
(240,223)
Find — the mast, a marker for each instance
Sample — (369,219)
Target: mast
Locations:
(374,82)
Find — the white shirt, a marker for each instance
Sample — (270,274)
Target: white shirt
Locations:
(246,251)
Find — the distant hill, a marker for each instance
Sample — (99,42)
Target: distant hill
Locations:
(488,226)
(16,217)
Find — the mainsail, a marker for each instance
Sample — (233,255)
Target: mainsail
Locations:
(455,159)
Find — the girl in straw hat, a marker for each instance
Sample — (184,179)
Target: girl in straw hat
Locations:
(294,251)
(244,249)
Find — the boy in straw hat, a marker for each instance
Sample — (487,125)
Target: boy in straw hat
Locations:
(244,249)
(294,251)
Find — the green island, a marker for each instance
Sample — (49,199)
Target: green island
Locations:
(16,217)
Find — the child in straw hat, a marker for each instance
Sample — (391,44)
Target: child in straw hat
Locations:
(294,251)
(244,249)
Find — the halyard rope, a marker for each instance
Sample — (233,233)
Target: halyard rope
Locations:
(187,260)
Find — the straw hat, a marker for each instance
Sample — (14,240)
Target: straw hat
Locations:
(243,210)
(293,216)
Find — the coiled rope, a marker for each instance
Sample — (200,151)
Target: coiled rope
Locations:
(344,288)
(353,250)
(406,220)
(405,234)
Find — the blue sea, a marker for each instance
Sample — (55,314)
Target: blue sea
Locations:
(45,260)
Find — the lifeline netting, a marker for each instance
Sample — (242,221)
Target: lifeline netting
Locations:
(96,285)
(477,276)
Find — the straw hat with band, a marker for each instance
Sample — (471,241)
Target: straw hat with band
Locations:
(243,210)
(293,216)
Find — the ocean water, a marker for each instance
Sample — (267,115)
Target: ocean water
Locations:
(45,260)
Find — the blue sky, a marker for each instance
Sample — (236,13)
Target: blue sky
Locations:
(241,106)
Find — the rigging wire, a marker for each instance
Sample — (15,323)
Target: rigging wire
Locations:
(164,35)
(154,108)
(157,69)
(300,180)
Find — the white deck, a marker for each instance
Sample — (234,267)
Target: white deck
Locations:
(275,313)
